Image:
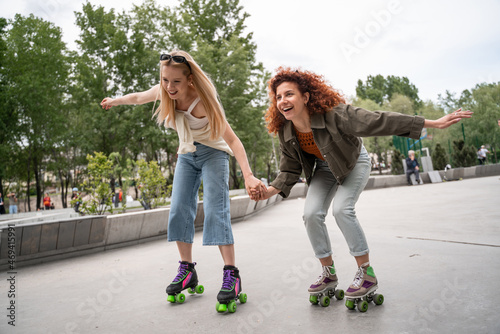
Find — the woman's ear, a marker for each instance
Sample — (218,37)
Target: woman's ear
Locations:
(306,98)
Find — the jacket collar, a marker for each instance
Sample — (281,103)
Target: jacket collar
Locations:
(317,122)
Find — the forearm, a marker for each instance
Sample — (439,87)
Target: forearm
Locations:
(271,191)
(241,157)
(130,99)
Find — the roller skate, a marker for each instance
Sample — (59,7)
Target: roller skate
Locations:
(324,288)
(230,291)
(362,290)
(186,279)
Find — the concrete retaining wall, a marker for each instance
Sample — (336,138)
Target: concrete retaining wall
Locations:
(42,241)
(38,242)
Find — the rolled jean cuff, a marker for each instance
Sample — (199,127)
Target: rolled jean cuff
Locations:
(360,253)
(321,256)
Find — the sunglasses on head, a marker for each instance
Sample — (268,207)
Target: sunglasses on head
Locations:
(177,59)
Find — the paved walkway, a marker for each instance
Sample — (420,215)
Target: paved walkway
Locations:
(434,248)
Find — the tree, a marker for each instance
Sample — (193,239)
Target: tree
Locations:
(439,158)
(397,163)
(8,115)
(380,89)
(463,155)
(36,74)
(482,128)
(228,55)
(98,197)
(153,183)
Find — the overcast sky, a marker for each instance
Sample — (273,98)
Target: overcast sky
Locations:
(439,45)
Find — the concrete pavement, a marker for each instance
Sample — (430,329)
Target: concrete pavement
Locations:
(434,248)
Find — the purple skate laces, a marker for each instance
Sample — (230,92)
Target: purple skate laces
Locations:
(228,280)
(181,271)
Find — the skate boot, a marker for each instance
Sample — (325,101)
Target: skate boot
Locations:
(230,291)
(186,279)
(362,290)
(324,288)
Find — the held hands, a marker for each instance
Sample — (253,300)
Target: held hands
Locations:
(107,103)
(254,187)
(450,119)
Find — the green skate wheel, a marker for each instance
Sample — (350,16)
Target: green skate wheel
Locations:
(231,307)
(349,303)
(171,298)
(180,298)
(190,291)
(339,294)
(363,306)
(313,299)
(243,298)
(378,299)
(199,289)
(324,301)
(221,307)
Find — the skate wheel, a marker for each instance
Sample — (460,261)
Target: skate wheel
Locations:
(199,289)
(171,298)
(221,307)
(231,307)
(339,294)
(190,291)
(243,298)
(324,301)
(349,304)
(180,298)
(378,299)
(313,299)
(363,306)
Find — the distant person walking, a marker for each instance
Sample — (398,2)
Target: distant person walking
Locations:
(482,155)
(75,196)
(12,203)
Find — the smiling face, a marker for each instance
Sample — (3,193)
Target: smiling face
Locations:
(175,81)
(291,102)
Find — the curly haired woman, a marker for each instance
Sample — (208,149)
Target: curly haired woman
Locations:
(320,135)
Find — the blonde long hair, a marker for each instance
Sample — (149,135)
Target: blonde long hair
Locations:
(205,90)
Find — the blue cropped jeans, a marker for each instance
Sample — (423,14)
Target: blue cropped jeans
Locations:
(322,190)
(211,166)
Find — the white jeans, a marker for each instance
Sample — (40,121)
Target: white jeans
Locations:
(322,189)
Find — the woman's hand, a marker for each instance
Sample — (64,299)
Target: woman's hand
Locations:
(254,187)
(107,103)
(448,120)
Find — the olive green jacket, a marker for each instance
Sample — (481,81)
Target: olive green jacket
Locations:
(337,134)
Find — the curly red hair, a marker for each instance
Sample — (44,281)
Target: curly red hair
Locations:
(322,96)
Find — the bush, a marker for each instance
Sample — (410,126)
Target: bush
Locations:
(153,184)
(439,157)
(463,155)
(97,186)
(397,163)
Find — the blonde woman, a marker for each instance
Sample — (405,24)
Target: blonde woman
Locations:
(189,104)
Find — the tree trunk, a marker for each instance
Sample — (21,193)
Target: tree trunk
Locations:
(28,181)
